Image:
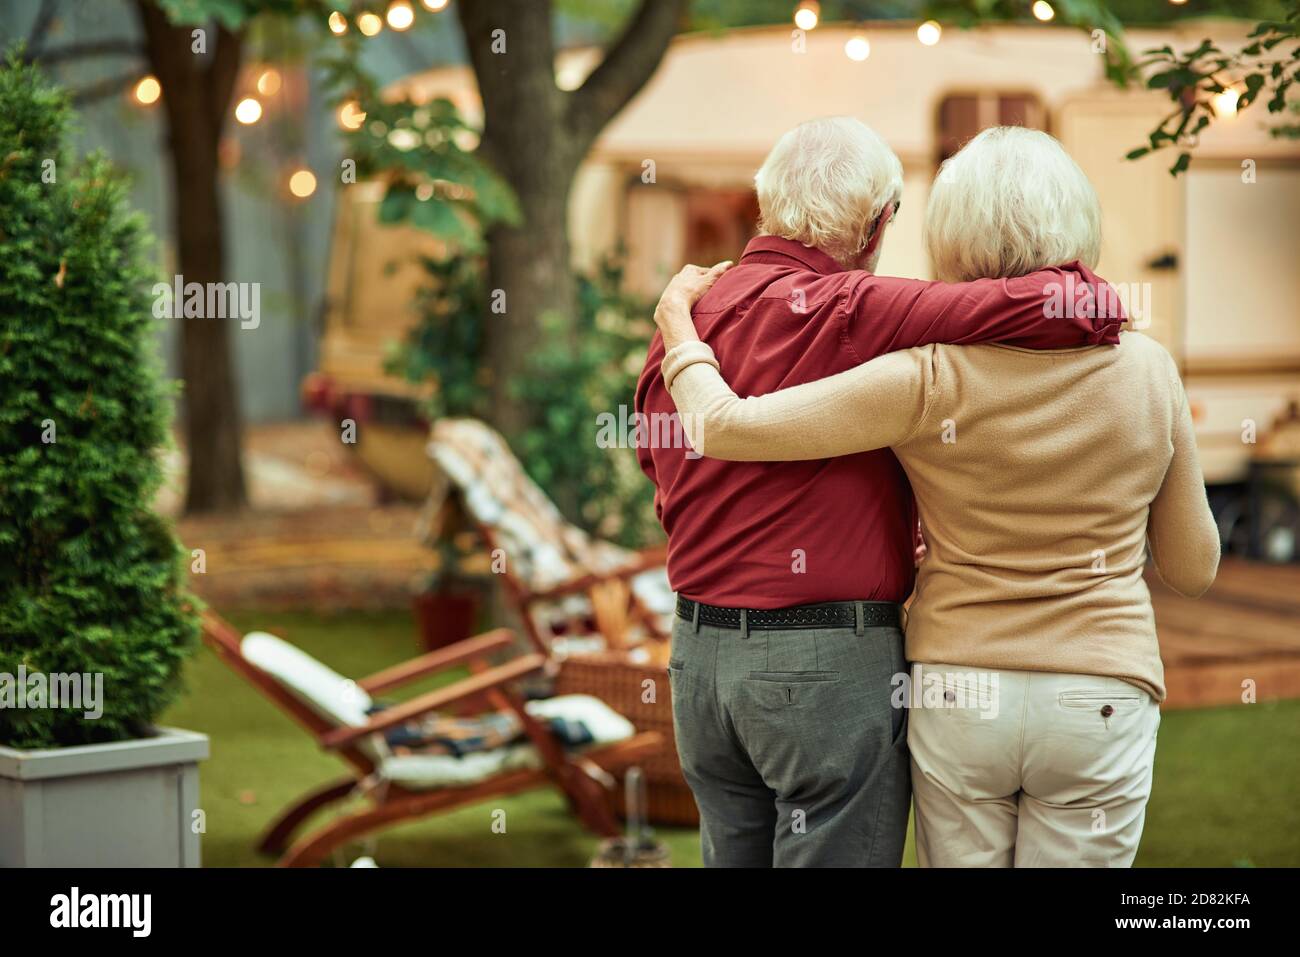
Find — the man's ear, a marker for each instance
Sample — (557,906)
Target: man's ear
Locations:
(878,228)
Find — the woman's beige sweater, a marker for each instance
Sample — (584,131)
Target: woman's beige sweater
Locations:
(1040,479)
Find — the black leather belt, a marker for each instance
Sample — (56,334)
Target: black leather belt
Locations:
(829,614)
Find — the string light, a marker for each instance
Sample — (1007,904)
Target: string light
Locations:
(929,32)
(351,116)
(857,48)
(1225,103)
(248,111)
(147,90)
(302,183)
(1043,10)
(807,14)
(268,84)
(434,5)
(338,24)
(369,24)
(400,15)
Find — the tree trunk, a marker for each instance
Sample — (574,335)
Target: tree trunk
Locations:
(535,135)
(530,264)
(196,96)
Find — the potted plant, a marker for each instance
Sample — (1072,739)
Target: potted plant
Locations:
(448,602)
(95,621)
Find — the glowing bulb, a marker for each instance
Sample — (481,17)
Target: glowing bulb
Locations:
(404,140)
(807,14)
(248,111)
(1043,10)
(338,24)
(302,183)
(434,5)
(400,15)
(148,90)
(857,48)
(928,33)
(369,24)
(569,77)
(1225,103)
(268,84)
(351,116)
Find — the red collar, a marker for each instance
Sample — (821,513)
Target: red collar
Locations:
(778,251)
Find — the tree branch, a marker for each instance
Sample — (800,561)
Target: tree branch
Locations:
(90,48)
(629,64)
(223,72)
(511,84)
(105,88)
(41,27)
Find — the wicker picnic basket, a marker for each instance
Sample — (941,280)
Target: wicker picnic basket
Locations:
(622,684)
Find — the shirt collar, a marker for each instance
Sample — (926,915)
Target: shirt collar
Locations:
(778,251)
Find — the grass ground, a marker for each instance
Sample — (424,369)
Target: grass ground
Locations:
(1226,787)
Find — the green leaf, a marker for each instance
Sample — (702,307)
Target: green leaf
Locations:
(397,204)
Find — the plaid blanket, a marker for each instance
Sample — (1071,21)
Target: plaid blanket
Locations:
(459,736)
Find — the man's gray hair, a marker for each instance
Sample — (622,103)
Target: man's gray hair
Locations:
(825,183)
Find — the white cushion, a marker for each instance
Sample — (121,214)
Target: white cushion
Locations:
(335,698)
(425,772)
(605,724)
(428,771)
(651,586)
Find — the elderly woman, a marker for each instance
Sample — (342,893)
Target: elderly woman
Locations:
(1042,478)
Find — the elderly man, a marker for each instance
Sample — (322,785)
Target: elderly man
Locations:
(790,575)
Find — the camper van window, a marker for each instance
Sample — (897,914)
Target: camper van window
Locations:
(962,115)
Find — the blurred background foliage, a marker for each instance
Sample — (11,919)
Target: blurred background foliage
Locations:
(587,365)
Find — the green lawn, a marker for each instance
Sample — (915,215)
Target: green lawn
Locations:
(1227,784)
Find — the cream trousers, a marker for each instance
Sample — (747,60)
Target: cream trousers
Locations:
(1028,769)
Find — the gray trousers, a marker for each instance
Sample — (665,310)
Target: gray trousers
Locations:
(790,745)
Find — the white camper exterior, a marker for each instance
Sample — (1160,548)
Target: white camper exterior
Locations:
(1210,255)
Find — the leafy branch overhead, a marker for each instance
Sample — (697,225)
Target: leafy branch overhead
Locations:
(1199,80)
(1203,84)
(425,154)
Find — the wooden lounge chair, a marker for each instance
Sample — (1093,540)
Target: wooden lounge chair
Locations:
(571,592)
(399,787)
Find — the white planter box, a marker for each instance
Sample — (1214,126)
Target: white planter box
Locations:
(124,804)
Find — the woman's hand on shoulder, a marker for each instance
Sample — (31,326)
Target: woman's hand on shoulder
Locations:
(673,314)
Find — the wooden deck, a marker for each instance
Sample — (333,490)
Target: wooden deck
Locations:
(1246,628)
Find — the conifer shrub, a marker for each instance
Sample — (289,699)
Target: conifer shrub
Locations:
(91,580)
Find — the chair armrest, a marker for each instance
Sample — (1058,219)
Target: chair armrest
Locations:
(480,646)
(436,700)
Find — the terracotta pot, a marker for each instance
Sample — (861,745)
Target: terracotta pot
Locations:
(446,616)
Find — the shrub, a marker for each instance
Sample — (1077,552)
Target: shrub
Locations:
(576,375)
(90,578)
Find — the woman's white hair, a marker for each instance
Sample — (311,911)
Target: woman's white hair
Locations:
(824,184)
(1010,202)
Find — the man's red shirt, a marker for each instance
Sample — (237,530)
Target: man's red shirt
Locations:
(775,534)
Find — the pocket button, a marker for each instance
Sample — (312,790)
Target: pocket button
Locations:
(1107,711)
